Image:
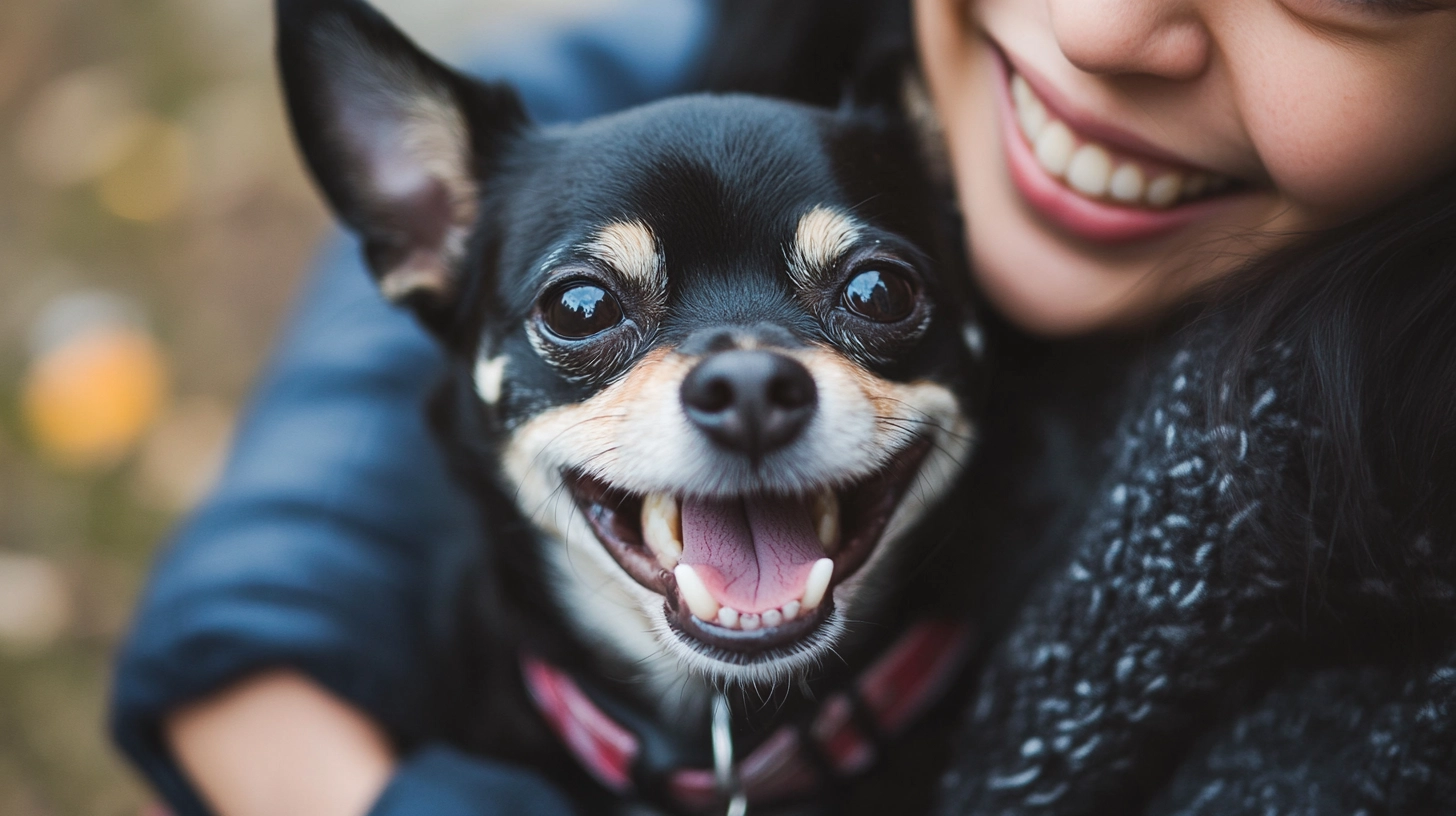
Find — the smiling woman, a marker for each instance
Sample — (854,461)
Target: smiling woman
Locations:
(1114,157)
(1255,198)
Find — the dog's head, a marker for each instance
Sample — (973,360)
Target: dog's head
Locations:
(713,335)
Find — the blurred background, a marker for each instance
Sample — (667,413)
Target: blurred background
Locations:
(154,224)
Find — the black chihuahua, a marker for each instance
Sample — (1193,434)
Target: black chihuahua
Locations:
(713,377)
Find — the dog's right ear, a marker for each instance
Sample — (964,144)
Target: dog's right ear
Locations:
(401,145)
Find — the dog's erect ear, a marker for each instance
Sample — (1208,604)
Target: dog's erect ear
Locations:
(400,144)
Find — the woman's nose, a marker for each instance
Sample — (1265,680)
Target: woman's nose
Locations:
(1162,38)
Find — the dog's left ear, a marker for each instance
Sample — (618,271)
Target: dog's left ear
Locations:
(401,145)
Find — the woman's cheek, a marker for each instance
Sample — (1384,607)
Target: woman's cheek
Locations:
(1340,131)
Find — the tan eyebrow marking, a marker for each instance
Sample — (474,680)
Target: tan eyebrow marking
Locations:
(823,236)
(630,248)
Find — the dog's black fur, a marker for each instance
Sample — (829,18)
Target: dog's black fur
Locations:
(482,223)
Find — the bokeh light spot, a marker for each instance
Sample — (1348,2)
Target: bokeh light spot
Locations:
(151,182)
(35,602)
(80,125)
(87,401)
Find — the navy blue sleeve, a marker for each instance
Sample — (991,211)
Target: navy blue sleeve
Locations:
(439,781)
(316,548)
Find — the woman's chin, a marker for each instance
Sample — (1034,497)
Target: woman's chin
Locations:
(1054,298)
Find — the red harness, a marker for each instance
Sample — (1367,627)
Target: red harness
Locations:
(792,762)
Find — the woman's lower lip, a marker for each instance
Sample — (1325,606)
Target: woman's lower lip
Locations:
(1075,214)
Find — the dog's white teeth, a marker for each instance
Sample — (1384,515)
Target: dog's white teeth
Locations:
(662,528)
(730,618)
(817,584)
(700,602)
(826,519)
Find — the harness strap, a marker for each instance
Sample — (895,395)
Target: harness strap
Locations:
(844,736)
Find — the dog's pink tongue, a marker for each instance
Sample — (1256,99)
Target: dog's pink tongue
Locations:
(753,554)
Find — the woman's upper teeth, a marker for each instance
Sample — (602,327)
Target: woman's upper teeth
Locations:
(1095,170)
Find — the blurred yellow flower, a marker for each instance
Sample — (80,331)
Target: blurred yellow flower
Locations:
(88,400)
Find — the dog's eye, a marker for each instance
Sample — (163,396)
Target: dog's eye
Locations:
(881,295)
(579,310)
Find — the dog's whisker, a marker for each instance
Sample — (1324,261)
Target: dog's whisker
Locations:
(548,447)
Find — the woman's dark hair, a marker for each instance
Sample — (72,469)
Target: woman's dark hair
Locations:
(811,51)
(1367,314)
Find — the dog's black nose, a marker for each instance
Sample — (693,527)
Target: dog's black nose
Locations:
(753,402)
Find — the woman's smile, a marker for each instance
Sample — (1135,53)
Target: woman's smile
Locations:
(1090,178)
(1115,158)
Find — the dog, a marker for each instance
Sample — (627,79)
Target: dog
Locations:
(714,375)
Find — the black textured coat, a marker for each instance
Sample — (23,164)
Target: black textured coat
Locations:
(1181,637)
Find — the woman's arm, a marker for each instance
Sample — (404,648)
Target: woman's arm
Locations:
(278,744)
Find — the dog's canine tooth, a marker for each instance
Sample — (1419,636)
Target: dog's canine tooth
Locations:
(772,618)
(728,617)
(700,601)
(791,610)
(817,584)
(826,519)
(749,621)
(662,528)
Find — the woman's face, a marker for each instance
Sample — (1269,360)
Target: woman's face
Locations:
(1112,155)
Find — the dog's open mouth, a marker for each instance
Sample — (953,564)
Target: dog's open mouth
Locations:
(744,577)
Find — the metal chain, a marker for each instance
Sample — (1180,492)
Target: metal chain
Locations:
(725,769)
